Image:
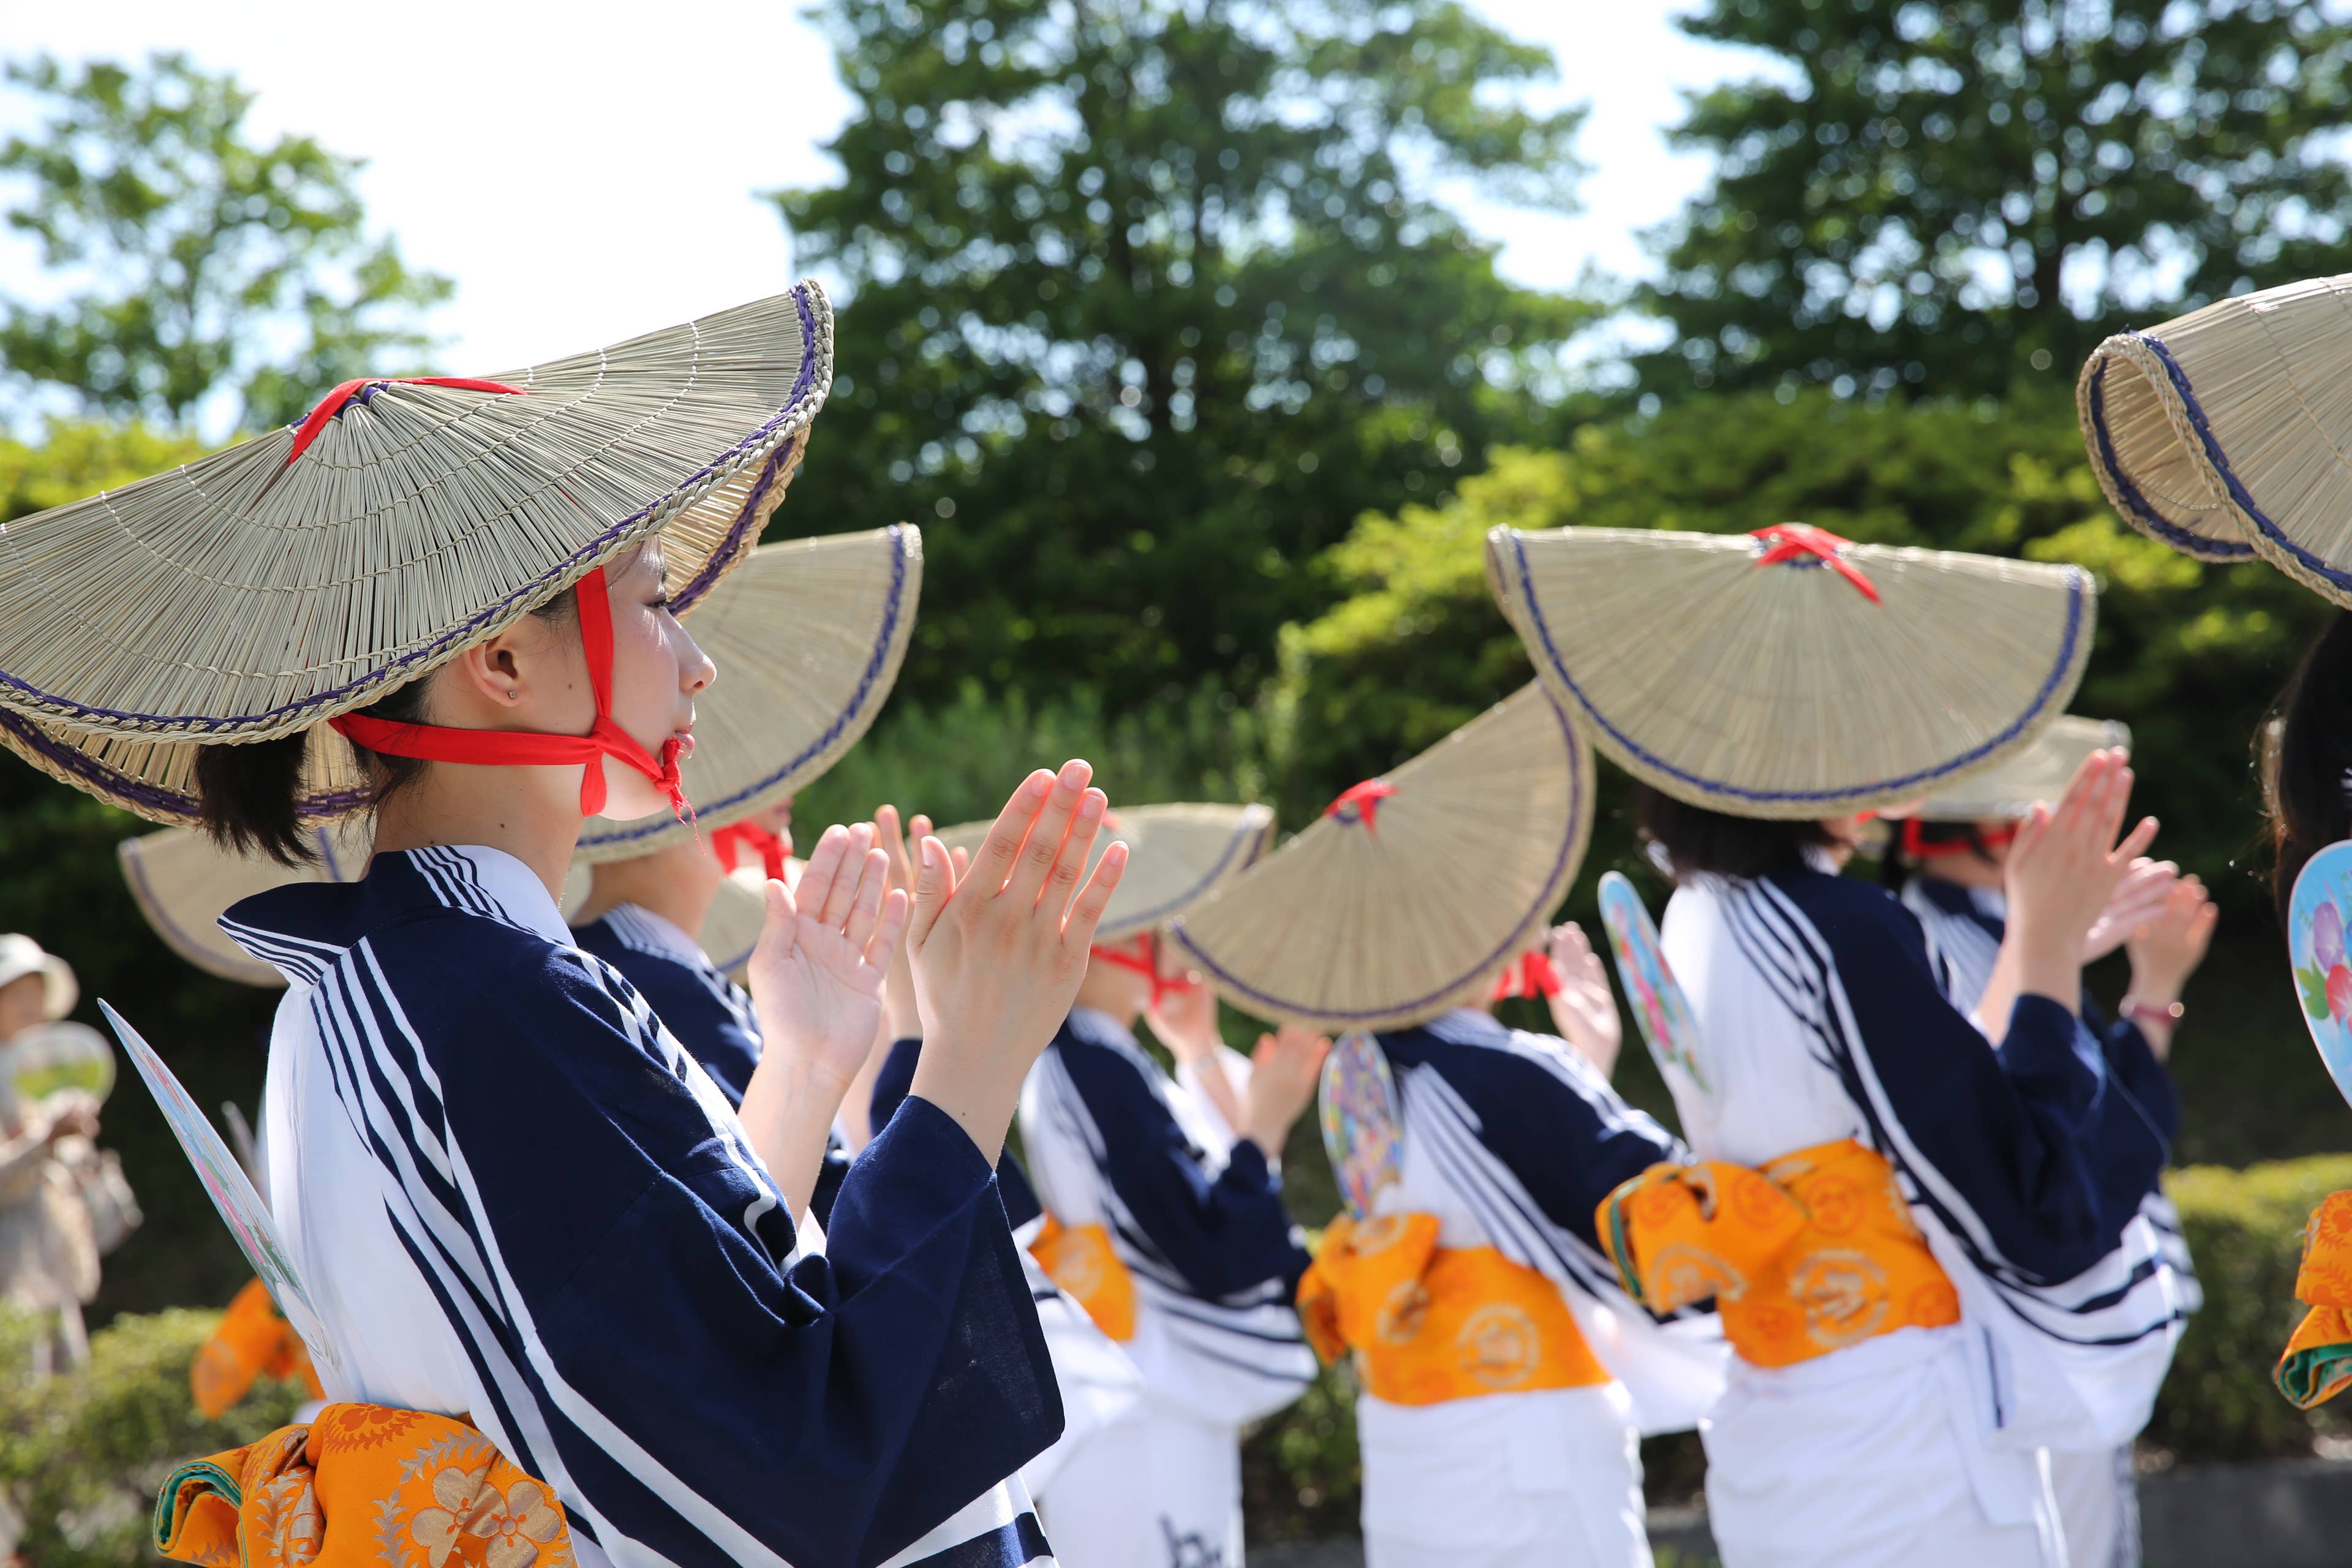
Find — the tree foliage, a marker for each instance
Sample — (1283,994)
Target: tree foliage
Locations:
(1945,191)
(195,262)
(1147,301)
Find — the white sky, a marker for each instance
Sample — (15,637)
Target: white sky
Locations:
(586,172)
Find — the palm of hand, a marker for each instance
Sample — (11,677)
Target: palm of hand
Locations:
(822,987)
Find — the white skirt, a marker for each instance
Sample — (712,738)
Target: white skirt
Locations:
(1155,1487)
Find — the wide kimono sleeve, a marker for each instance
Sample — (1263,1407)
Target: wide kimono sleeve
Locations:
(622,1269)
(2133,1065)
(896,1081)
(1223,1236)
(2034,1146)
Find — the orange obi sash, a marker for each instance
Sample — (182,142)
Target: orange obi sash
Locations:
(1082,1263)
(1815,1252)
(252,1341)
(1430,1323)
(2318,1359)
(361,1486)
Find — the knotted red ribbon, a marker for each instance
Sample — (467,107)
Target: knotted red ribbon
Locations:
(335,402)
(1362,803)
(1919,847)
(1790,541)
(1148,965)
(515,747)
(1532,975)
(730,845)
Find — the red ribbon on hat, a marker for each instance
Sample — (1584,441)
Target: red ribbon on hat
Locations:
(730,845)
(1790,541)
(516,748)
(1532,975)
(336,401)
(1148,965)
(1363,802)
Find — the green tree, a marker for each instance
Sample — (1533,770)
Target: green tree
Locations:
(1941,193)
(195,261)
(1148,300)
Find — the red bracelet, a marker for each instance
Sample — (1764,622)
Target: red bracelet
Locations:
(2140,1012)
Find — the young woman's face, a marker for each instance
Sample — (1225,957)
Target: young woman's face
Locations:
(657,671)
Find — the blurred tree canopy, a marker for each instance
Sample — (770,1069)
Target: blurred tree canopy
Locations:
(193,262)
(1152,300)
(1943,191)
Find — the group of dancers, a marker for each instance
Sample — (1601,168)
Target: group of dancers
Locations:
(652,1188)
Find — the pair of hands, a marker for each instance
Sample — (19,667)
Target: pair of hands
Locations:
(1286,1068)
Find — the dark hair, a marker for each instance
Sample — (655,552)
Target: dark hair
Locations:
(2304,771)
(1698,839)
(1895,866)
(249,794)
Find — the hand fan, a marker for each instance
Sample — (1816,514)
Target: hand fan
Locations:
(1660,1010)
(2314,947)
(48,1058)
(241,1208)
(1363,1122)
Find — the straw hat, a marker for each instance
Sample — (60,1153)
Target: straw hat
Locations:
(311,570)
(1415,887)
(807,637)
(184,882)
(730,931)
(21,955)
(1176,854)
(1789,673)
(2223,432)
(2039,773)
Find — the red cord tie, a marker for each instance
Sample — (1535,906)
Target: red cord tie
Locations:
(1790,542)
(1532,975)
(335,402)
(731,844)
(1361,803)
(1148,966)
(516,748)
(1916,844)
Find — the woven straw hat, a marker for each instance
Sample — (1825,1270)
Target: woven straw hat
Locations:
(311,570)
(1791,673)
(2039,773)
(731,928)
(2224,432)
(1176,854)
(807,637)
(184,881)
(1416,887)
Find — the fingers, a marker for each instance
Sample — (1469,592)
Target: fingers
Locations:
(1010,830)
(1041,852)
(823,869)
(933,885)
(888,835)
(833,909)
(1078,931)
(882,948)
(781,931)
(2030,831)
(865,909)
(961,859)
(1077,847)
(2141,837)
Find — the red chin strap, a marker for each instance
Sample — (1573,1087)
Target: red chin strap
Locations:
(731,844)
(1787,541)
(1532,975)
(1148,965)
(1919,847)
(1361,803)
(516,748)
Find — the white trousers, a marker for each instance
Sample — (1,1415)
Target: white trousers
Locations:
(2098,1502)
(1549,1479)
(1155,1489)
(1861,1458)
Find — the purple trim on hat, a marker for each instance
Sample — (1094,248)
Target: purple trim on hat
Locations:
(462,634)
(891,609)
(2186,541)
(1567,846)
(122,787)
(2077,582)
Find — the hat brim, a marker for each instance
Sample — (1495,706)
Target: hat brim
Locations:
(2224,432)
(1388,921)
(184,882)
(1178,854)
(808,637)
(1786,692)
(2010,790)
(246,595)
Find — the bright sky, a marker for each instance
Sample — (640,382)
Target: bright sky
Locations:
(588,171)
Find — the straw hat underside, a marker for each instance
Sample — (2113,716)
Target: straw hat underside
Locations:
(2038,774)
(1783,692)
(242,597)
(183,883)
(2228,432)
(1366,926)
(808,637)
(1176,854)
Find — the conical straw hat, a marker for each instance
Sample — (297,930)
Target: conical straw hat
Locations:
(731,928)
(184,881)
(2225,433)
(2041,772)
(807,637)
(1176,854)
(1398,906)
(1795,676)
(256,592)
(157,780)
